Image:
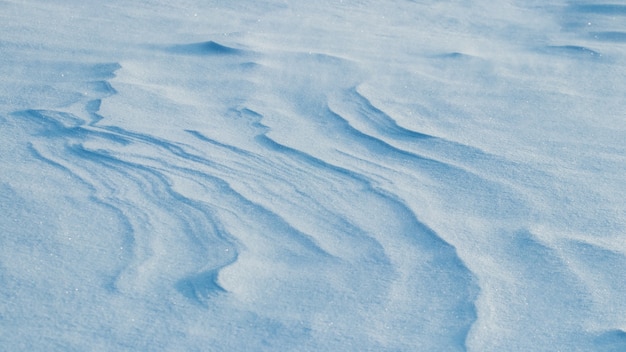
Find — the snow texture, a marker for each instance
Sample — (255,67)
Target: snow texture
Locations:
(318,175)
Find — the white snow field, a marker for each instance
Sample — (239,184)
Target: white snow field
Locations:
(324,175)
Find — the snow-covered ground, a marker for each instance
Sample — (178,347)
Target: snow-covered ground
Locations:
(326,175)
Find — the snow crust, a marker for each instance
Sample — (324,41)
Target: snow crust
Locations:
(312,176)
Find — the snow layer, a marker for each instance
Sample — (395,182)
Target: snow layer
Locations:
(312,176)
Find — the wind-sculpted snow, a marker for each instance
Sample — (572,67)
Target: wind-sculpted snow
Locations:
(314,176)
(206,48)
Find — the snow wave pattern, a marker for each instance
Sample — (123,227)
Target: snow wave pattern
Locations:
(199,222)
(317,188)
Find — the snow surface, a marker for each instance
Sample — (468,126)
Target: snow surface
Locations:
(327,175)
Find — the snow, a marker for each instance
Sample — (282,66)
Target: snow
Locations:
(312,176)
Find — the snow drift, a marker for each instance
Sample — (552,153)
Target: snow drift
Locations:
(416,176)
